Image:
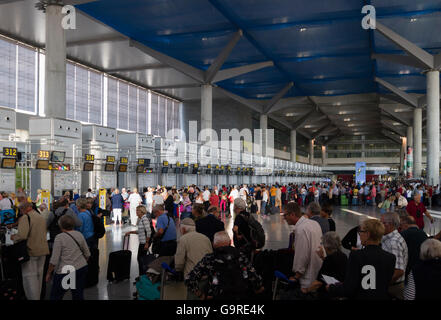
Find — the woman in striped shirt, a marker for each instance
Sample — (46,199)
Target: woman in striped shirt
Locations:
(144,233)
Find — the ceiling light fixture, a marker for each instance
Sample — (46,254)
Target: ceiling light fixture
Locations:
(302,29)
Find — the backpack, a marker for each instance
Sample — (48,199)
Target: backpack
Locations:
(229,281)
(98,226)
(54,228)
(146,290)
(257,233)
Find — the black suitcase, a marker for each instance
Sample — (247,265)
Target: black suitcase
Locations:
(93,268)
(119,263)
(254,208)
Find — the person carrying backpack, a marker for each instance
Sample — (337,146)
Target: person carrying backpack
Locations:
(90,227)
(248,233)
(228,271)
(52,220)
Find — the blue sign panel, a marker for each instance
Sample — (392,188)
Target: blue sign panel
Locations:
(360,172)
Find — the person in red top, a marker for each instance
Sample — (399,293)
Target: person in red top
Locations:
(214,199)
(416,209)
(283,189)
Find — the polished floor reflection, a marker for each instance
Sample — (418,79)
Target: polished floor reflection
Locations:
(277,234)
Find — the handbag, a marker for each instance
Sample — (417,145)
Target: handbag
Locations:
(20,249)
(156,245)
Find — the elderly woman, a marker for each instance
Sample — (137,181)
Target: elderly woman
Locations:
(334,261)
(370,270)
(70,251)
(424,280)
(144,233)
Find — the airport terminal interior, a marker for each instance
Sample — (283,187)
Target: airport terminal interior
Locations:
(268,116)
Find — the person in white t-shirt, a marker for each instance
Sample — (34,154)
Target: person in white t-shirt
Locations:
(243,193)
(149,199)
(233,194)
(90,194)
(135,200)
(5,202)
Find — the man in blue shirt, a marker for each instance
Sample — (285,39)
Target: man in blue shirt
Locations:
(166,231)
(87,228)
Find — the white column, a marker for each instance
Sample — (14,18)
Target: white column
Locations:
(263,127)
(55,71)
(323,155)
(206,107)
(417,141)
(433,128)
(403,155)
(311,151)
(293,146)
(409,152)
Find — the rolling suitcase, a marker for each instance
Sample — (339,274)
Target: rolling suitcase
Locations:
(119,263)
(93,268)
(343,200)
(355,201)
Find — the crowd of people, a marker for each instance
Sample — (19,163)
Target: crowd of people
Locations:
(389,258)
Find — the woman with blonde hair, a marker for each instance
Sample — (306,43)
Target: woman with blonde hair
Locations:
(38,199)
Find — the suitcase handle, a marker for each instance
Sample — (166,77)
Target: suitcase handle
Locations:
(166,267)
(128,242)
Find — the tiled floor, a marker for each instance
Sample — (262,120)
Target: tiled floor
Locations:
(277,233)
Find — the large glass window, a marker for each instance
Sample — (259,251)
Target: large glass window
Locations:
(84,94)
(81,94)
(70,91)
(133,108)
(18,76)
(162,112)
(27,83)
(123,111)
(112,102)
(155,114)
(95,97)
(142,111)
(8,73)
(120,104)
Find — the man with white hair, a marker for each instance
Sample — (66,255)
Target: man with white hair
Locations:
(394,243)
(313,212)
(241,229)
(230,274)
(234,194)
(192,247)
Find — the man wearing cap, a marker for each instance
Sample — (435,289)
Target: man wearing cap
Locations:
(241,229)
(192,247)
